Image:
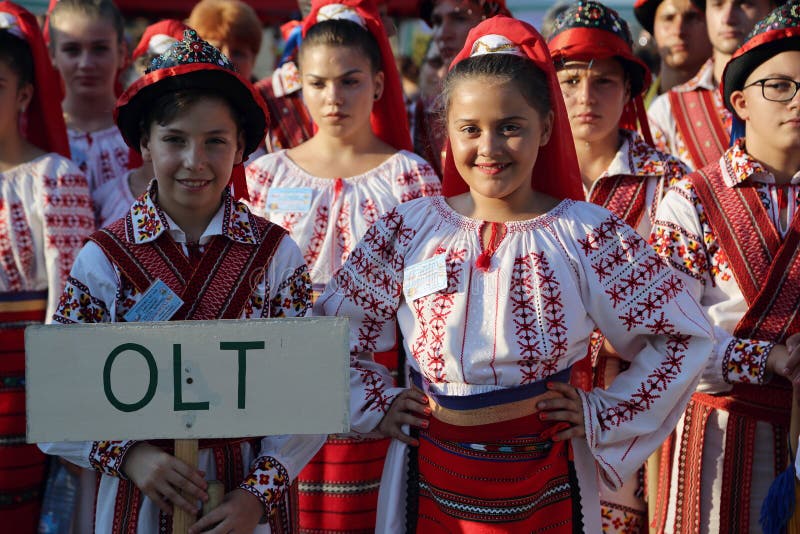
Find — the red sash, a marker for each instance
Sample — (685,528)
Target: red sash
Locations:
(764,265)
(217,287)
(623,195)
(765,269)
(700,126)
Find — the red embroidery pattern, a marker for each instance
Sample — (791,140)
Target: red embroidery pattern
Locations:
(344,237)
(268,481)
(258,183)
(639,284)
(292,299)
(77,305)
(745,361)
(622,519)
(8,238)
(432,313)
(289,220)
(369,211)
(318,236)
(532,274)
(68,217)
(106,456)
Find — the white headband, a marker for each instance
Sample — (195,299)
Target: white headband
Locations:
(9,22)
(495,44)
(340,12)
(160,43)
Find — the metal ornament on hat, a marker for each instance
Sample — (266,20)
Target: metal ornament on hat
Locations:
(9,23)
(785,16)
(340,12)
(495,44)
(191,50)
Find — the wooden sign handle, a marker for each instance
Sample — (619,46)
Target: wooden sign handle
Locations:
(185,450)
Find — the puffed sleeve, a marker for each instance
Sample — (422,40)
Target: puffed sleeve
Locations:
(646,312)
(368,290)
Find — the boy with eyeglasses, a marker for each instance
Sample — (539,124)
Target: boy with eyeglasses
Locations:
(733,230)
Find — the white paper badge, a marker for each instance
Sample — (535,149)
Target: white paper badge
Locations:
(425,277)
(159,303)
(289,199)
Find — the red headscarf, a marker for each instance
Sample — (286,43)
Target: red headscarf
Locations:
(556,172)
(169,28)
(388,118)
(43,120)
(589,30)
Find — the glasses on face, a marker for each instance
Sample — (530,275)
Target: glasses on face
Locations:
(777,89)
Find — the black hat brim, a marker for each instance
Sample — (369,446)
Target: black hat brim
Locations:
(241,95)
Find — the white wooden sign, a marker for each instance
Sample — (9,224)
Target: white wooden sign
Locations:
(187,379)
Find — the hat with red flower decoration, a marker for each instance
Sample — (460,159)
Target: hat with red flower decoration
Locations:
(158,37)
(191,63)
(589,30)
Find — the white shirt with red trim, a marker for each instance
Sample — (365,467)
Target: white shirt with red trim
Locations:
(45,216)
(550,283)
(340,210)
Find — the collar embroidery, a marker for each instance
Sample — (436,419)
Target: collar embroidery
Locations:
(147,221)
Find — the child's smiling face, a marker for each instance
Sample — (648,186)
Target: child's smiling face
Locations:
(193,156)
(495,135)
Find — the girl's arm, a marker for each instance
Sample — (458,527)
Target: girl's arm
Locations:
(67,221)
(368,289)
(645,311)
(692,250)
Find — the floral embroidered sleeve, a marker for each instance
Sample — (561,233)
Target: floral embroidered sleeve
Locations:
(368,289)
(289,282)
(682,236)
(68,220)
(645,311)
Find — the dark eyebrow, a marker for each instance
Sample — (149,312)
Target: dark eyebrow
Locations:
(348,73)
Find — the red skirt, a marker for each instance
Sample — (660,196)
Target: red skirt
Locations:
(22,466)
(486,464)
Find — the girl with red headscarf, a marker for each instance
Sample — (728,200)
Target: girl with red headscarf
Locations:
(45,215)
(603,82)
(327,192)
(87,48)
(497,288)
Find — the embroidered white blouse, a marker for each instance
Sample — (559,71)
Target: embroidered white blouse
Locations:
(551,282)
(45,216)
(339,211)
(102,156)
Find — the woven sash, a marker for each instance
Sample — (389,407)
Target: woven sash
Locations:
(624,196)
(700,126)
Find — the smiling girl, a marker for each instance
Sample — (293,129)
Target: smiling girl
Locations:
(496,288)
(87,48)
(327,192)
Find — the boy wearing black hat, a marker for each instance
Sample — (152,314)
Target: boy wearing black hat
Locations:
(195,119)
(733,230)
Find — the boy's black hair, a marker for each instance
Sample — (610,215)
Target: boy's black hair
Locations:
(171,104)
(343,33)
(530,81)
(16,54)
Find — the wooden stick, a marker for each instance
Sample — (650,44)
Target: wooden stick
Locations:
(216,492)
(185,450)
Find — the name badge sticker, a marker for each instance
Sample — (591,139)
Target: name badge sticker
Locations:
(159,303)
(425,277)
(289,199)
